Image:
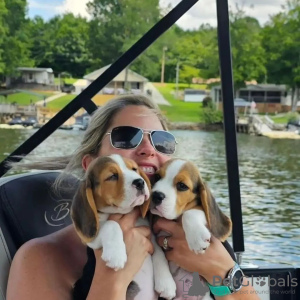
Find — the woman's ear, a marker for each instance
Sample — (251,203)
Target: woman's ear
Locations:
(84,212)
(86,160)
(218,223)
(145,206)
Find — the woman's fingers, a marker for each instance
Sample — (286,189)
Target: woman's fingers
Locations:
(166,225)
(171,241)
(115,217)
(126,221)
(150,247)
(144,230)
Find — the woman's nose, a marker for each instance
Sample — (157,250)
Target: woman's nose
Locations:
(145,147)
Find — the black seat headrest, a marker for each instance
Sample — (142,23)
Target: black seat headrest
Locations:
(31,208)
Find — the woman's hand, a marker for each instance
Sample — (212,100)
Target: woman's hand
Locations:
(216,261)
(138,246)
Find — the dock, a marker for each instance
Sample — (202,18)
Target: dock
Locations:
(264,126)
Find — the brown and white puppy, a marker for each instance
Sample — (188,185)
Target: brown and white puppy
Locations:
(112,184)
(179,193)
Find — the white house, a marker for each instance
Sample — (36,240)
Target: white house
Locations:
(194,95)
(136,82)
(269,98)
(32,77)
(80,85)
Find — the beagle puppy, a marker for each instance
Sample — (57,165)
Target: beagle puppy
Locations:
(112,184)
(179,193)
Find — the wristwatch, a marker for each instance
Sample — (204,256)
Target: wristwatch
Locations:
(232,283)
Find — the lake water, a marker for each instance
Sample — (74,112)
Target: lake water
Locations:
(269,178)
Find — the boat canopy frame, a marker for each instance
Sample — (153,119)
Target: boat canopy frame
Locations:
(84,100)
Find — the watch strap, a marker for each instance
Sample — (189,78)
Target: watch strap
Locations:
(223,290)
(220,290)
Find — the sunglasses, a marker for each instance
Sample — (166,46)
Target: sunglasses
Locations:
(128,137)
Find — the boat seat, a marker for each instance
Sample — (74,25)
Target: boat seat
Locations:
(29,208)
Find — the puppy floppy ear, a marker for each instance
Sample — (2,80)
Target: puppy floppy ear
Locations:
(218,223)
(145,206)
(84,211)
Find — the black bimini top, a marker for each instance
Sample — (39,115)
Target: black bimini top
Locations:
(83,100)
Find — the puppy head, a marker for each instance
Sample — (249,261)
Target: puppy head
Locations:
(179,187)
(112,184)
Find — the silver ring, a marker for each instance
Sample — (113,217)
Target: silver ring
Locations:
(165,243)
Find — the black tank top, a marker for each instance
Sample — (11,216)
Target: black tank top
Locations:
(82,285)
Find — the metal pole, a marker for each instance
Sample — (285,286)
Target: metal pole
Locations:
(230,127)
(177,78)
(83,99)
(163,65)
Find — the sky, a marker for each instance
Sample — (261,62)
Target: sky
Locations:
(203,12)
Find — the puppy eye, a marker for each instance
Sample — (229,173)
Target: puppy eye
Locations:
(181,187)
(134,169)
(113,177)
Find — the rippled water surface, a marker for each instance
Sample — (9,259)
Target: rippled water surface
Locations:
(269,179)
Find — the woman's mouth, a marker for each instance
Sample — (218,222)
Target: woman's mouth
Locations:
(148,170)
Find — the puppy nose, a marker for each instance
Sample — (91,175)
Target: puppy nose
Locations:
(158,197)
(139,184)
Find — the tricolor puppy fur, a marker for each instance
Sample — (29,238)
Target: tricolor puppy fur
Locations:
(179,193)
(112,184)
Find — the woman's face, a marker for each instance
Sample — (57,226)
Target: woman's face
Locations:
(144,155)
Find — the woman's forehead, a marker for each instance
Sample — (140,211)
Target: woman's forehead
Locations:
(137,116)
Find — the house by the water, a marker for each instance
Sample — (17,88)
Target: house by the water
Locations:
(32,78)
(125,82)
(269,98)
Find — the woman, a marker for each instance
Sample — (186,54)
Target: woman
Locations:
(48,267)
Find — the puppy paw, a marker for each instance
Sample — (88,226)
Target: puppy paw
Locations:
(166,287)
(115,258)
(199,241)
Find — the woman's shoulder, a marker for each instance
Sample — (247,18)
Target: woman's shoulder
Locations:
(60,253)
(43,250)
(47,266)
(52,244)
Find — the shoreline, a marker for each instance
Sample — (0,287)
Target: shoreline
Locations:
(194,126)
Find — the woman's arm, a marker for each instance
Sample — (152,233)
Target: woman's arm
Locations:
(138,246)
(35,274)
(40,270)
(216,261)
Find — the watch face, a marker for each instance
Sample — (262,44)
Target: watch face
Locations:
(237,280)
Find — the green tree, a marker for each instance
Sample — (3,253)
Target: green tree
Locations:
(61,43)
(15,42)
(248,55)
(40,42)
(282,43)
(3,32)
(210,115)
(116,25)
(187,73)
(198,49)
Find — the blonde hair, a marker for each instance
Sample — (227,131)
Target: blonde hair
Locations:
(100,121)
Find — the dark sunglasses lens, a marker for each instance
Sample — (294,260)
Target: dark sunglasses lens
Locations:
(164,142)
(126,137)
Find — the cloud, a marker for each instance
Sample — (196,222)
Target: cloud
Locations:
(74,6)
(205,11)
(32,4)
(202,12)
